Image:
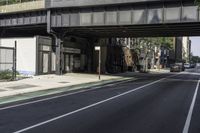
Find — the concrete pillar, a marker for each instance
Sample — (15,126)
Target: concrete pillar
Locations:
(90,55)
(59,56)
(58,43)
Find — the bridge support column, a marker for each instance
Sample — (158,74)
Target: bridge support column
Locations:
(59,59)
(57,37)
(59,55)
(58,49)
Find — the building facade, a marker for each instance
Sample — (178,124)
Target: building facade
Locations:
(37,55)
(34,55)
(182,49)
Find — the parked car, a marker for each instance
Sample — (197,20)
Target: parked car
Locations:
(177,67)
(181,65)
(187,65)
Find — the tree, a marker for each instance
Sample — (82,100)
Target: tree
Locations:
(145,48)
(197,2)
(195,59)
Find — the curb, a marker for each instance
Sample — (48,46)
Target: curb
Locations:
(54,91)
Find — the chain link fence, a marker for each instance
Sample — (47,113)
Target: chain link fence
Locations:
(8,62)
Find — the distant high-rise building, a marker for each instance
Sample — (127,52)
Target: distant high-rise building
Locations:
(182,47)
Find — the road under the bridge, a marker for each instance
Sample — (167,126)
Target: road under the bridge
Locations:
(153,103)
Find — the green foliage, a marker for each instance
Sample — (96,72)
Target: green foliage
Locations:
(6,75)
(150,43)
(195,59)
(147,46)
(8,2)
(162,41)
(197,2)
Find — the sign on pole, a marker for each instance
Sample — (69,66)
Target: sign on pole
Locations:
(98,48)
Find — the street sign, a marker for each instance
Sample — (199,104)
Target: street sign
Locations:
(97,48)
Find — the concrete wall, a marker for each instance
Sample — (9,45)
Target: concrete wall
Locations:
(26,6)
(26,53)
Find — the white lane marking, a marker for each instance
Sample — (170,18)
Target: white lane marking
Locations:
(59,96)
(189,117)
(87,107)
(55,97)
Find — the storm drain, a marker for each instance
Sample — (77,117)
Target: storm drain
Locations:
(25,86)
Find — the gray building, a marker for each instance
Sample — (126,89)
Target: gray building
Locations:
(182,49)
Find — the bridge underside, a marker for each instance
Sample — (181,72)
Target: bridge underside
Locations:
(186,29)
(161,18)
(23,31)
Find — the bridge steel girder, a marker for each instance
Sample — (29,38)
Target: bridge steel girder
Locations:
(164,18)
(123,15)
(87,3)
(23,19)
(111,15)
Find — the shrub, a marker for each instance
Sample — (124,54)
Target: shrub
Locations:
(6,75)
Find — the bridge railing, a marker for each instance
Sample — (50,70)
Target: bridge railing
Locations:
(8,6)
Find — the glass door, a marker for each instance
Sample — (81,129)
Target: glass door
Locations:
(67,66)
(71,63)
(45,63)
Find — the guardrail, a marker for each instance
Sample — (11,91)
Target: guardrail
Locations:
(22,5)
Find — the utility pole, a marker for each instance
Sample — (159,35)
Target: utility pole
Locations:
(100,64)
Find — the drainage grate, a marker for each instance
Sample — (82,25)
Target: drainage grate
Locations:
(25,86)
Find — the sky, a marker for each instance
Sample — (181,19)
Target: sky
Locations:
(195,45)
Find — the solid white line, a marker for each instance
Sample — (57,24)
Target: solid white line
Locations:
(59,96)
(189,117)
(87,107)
(54,97)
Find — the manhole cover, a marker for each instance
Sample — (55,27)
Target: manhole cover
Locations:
(22,86)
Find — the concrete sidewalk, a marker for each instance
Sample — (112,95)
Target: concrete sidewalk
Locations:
(52,84)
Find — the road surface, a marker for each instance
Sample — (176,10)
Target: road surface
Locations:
(154,103)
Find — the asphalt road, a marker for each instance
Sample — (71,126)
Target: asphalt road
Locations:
(154,103)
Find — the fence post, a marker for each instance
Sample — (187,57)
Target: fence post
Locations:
(15,61)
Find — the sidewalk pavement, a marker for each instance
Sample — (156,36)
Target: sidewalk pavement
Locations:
(51,84)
